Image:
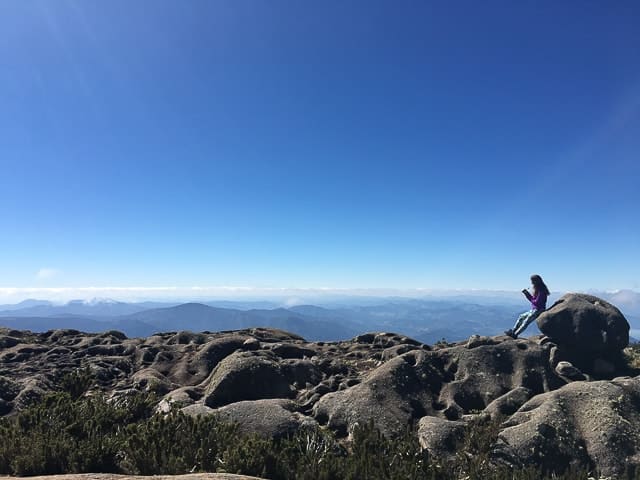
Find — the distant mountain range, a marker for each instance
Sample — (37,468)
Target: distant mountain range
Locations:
(188,316)
(426,319)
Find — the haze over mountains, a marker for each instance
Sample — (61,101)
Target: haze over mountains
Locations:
(453,317)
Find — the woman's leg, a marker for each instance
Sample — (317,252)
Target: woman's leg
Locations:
(512,332)
(528,318)
(520,321)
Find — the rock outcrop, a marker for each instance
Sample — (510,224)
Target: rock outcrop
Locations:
(555,395)
(594,424)
(447,382)
(113,476)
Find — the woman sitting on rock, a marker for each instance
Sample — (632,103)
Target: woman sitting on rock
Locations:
(538,302)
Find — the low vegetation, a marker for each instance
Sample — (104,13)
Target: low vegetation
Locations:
(71,431)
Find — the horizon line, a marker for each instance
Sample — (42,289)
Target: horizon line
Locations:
(158,293)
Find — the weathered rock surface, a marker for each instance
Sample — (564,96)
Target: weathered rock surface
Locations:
(509,403)
(440,437)
(583,423)
(447,383)
(273,383)
(271,418)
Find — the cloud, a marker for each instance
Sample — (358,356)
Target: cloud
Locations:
(47,273)
(293,302)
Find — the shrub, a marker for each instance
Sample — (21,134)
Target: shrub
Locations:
(66,433)
(63,434)
(176,443)
(77,383)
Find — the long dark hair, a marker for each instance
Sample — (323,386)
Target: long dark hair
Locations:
(539,285)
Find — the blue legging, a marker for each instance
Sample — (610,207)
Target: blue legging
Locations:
(524,320)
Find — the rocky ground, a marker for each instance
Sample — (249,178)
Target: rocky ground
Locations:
(563,398)
(109,476)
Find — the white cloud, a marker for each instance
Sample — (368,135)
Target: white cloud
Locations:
(293,302)
(47,273)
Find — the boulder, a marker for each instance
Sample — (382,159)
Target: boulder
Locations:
(568,371)
(269,418)
(440,437)
(247,376)
(586,326)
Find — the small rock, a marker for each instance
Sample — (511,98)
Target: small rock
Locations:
(478,341)
(567,370)
(251,344)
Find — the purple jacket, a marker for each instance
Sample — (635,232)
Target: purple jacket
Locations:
(539,301)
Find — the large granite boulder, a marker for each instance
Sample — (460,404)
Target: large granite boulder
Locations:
(587,330)
(247,376)
(585,322)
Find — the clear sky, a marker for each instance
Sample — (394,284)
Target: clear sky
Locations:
(350,144)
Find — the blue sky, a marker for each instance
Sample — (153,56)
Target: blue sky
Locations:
(342,144)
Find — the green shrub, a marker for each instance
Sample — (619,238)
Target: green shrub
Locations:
(176,443)
(251,456)
(374,456)
(311,454)
(64,434)
(77,383)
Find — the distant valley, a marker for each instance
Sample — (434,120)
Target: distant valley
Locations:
(426,319)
